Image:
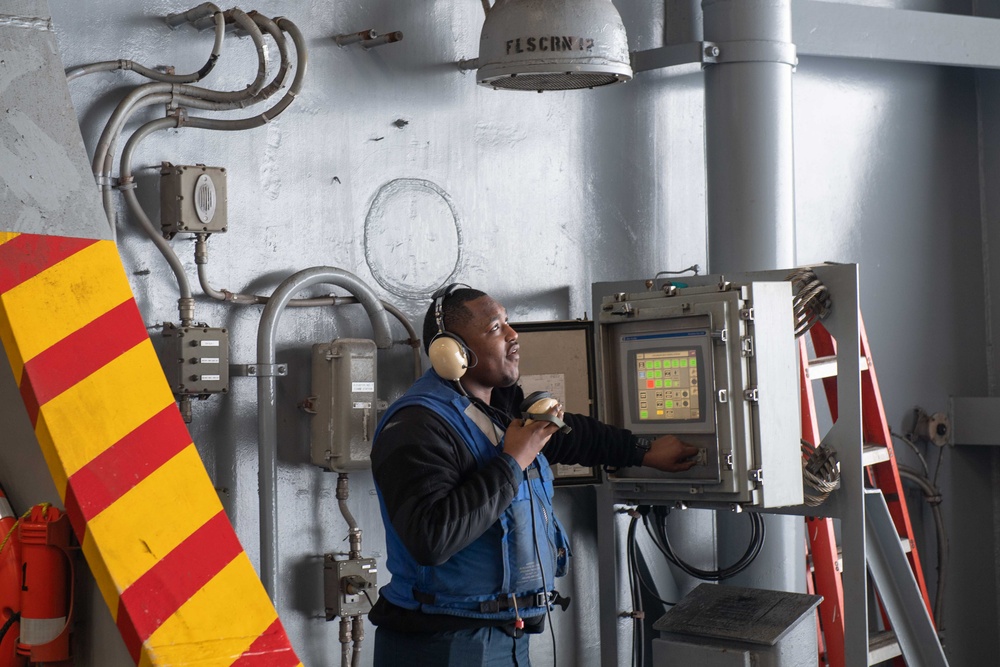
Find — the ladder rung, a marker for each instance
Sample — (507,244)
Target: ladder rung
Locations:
(883,646)
(826,367)
(872,454)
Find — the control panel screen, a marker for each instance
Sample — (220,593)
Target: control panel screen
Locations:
(667,385)
(666,380)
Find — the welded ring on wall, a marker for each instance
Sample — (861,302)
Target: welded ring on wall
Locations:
(405,214)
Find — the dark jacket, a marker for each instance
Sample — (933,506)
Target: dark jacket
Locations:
(439,499)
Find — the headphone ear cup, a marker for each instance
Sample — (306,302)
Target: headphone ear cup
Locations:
(533,402)
(448,356)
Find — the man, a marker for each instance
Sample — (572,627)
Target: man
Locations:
(466,496)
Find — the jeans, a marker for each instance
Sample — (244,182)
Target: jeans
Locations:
(486,647)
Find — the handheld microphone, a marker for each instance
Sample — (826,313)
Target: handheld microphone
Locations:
(537,405)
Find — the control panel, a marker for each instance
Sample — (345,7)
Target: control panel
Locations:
(715,366)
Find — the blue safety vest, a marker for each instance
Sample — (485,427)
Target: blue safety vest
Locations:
(502,561)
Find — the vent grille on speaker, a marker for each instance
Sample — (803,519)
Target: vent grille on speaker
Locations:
(205,199)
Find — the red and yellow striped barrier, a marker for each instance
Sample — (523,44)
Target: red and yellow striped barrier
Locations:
(165,557)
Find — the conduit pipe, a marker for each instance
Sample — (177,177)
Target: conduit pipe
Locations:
(181,94)
(205,99)
(156,75)
(933,497)
(302,60)
(751,205)
(192,16)
(127,182)
(240,299)
(127,186)
(267,403)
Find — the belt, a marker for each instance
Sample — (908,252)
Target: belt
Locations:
(506,602)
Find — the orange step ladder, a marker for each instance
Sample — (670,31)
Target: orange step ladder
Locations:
(882,474)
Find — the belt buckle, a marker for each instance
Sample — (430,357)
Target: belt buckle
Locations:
(541,599)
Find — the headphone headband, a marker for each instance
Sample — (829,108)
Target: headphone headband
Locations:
(440,297)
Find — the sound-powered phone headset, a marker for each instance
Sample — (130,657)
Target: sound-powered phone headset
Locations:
(448,353)
(449,356)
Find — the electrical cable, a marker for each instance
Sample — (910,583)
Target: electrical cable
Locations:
(757,536)
(937,466)
(638,630)
(912,445)
(541,566)
(811,301)
(820,472)
(694,269)
(932,495)
(650,587)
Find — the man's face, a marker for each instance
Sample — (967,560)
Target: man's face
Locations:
(493,342)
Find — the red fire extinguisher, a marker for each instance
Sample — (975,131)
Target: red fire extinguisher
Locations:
(10,586)
(46,586)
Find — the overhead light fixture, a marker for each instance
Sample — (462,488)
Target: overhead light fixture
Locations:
(552,45)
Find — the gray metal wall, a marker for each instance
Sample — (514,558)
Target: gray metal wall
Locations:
(534,197)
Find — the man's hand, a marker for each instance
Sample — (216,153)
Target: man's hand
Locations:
(525,441)
(670,454)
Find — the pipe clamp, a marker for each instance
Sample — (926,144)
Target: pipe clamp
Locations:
(258,370)
(753,51)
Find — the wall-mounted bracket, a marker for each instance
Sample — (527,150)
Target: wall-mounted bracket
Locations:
(369,39)
(258,370)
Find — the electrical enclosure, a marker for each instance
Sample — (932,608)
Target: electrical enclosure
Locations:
(345,583)
(344,402)
(192,199)
(715,366)
(196,360)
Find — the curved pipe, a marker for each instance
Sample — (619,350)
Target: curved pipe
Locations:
(236,298)
(192,15)
(128,190)
(134,100)
(112,65)
(241,19)
(206,99)
(173,93)
(933,497)
(267,415)
(302,62)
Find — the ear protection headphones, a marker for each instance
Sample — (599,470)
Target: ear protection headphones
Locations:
(537,405)
(448,353)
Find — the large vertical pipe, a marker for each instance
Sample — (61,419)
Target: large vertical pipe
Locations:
(267,396)
(748,136)
(751,207)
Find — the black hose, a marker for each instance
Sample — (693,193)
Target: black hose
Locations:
(662,541)
(638,634)
(10,622)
